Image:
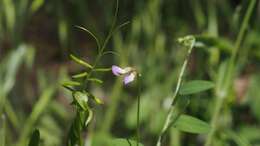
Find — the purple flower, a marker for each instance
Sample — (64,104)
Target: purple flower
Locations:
(128,73)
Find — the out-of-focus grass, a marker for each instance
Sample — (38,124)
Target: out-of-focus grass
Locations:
(149,44)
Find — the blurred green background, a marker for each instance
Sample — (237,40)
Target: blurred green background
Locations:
(36,37)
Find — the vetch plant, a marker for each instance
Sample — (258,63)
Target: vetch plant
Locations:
(78,86)
(175,116)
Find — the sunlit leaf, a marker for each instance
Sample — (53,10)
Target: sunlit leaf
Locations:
(95,80)
(102,69)
(96,99)
(90,117)
(80,61)
(195,87)
(80,75)
(191,124)
(81,100)
(71,83)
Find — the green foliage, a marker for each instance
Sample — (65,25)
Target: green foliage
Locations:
(191,124)
(195,86)
(80,61)
(80,100)
(35,138)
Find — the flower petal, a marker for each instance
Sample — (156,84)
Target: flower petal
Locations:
(116,70)
(129,78)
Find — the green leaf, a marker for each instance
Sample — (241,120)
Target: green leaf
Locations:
(95,80)
(35,138)
(223,44)
(90,117)
(96,99)
(81,100)
(195,87)
(80,75)
(123,142)
(191,124)
(102,69)
(80,61)
(71,83)
(68,88)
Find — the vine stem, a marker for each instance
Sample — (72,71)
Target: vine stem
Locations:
(169,121)
(230,73)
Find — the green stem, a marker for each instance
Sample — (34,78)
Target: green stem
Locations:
(168,122)
(138,109)
(230,73)
(243,28)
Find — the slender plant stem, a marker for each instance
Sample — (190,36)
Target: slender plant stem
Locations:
(243,29)
(138,109)
(220,98)
(169,121)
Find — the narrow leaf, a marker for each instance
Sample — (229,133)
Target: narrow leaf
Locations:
(102,69)
(97,100)
(68,88)
(71,83)
(195,87)
(80,61)
(191,124)
(80,75)
(95,80)
(90,117)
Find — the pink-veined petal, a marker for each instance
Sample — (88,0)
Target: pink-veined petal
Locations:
(116,70)
(129,78)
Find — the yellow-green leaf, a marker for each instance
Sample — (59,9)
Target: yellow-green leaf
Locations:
(80,75)
(81,100)
(80,61)
(95,80)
